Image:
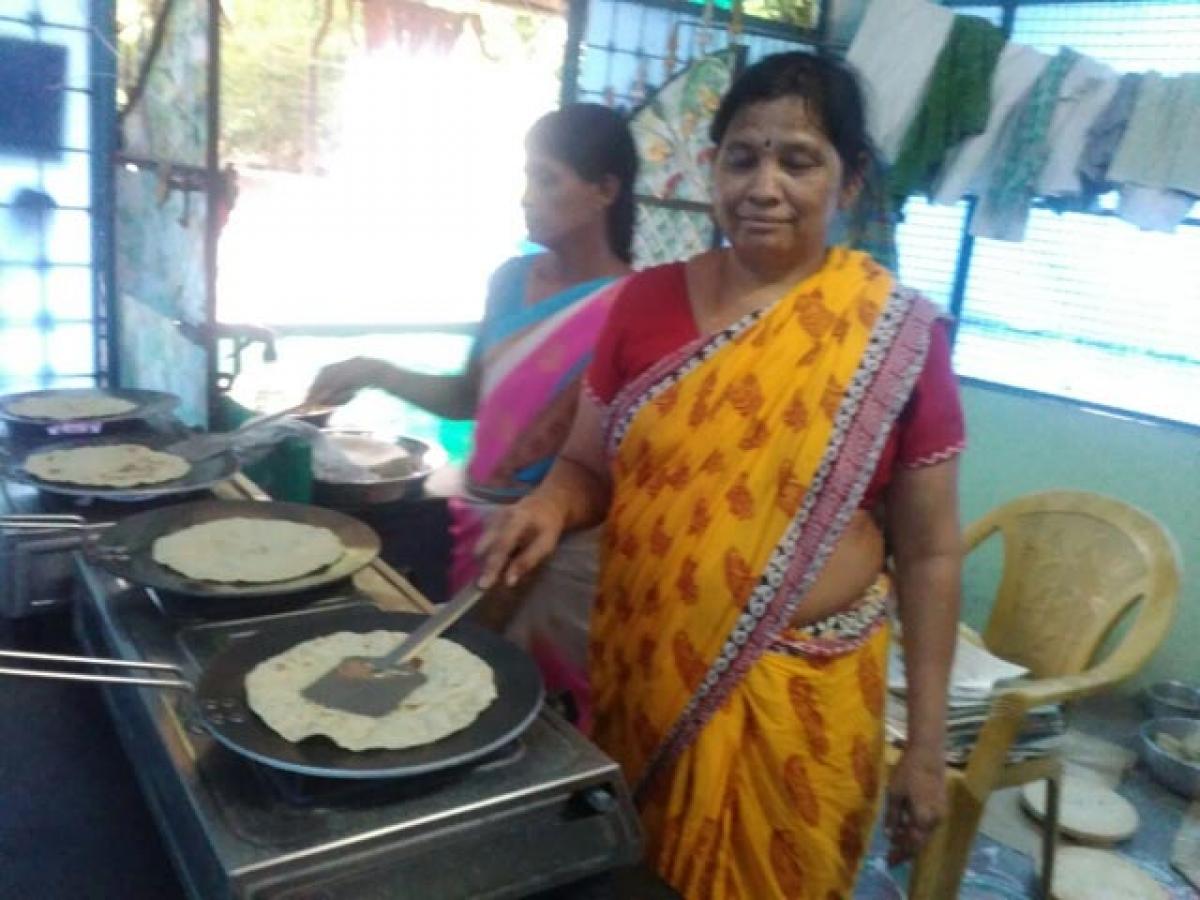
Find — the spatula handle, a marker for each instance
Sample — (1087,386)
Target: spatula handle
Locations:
(433,626)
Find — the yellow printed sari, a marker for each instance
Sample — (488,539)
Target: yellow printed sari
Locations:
(736,464)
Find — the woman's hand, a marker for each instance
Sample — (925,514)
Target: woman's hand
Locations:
(916,802)
(338,383)
(517,539)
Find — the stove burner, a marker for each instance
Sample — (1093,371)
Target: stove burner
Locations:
(306,791)
(545,810)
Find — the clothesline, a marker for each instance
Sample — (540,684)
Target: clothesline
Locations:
(955,110)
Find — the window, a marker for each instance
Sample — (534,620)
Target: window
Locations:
(47,310)
(1087,306)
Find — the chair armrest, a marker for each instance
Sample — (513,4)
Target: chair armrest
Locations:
(1011,705)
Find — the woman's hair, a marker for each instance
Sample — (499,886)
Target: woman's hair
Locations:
(595,142)
(828,88)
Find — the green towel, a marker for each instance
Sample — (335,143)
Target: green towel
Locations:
(956,105)
(1004,208)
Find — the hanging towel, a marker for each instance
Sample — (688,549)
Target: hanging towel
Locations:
(894,52)
(1003,209)
(956,106)
(1086,92)
(1154,209)
(967,166)
(1104,136)
(1161,146)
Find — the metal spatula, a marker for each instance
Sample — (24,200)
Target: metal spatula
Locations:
(200,447)
(376,685)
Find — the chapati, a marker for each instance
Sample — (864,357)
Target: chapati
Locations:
(252,551)
(458,688)
(107,465)
(64,407)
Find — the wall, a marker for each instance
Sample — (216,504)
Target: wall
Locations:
(1020,444)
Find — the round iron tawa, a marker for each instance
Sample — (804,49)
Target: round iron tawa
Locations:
(221,697)
(136,534)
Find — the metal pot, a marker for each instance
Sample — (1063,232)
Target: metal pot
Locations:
(1176,773)
(1165,699)
(403,479)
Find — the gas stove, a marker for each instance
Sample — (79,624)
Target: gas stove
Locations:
(546,810)
(36,568)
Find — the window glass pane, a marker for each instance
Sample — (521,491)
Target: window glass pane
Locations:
(22,30)
(20,295)
(20,235)
(1091,308)
(68,180)
(23,351)
(76,42)
(69,293)
(53,12)
(928,241)
(69,349)
(65,12)
(78,126)
(16,172)
(69,236)
(1130,37)
(47,335)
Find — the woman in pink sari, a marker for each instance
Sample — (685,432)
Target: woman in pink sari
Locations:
(543,316)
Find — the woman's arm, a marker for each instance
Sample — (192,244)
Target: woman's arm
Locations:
(448,396)
(922,519)
(574,494)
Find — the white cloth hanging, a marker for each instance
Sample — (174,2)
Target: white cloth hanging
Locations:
(968,166)
(894,52)
(1161,146)
(1086,91)
(1154,209)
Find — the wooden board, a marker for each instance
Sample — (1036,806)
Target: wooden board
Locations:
(1090,810)
(1185,854)
(1084,873)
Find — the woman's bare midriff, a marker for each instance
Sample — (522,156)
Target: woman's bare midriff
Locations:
(856,562)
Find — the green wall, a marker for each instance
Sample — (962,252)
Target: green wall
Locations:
(1018,444)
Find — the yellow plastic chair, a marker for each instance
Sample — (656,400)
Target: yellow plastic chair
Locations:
(1074,564)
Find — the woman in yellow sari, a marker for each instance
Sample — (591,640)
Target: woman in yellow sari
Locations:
(755,421)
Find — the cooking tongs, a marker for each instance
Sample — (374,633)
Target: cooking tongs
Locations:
(50,525)
(172,677)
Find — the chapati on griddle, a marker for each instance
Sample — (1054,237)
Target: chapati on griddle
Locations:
(245,550)
(107,466)
(69,406)
(458,688)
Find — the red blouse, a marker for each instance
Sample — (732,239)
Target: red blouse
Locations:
(652,318)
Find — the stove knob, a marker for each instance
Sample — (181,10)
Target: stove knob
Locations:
(600,800)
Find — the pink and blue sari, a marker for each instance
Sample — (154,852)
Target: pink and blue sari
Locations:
(533,357)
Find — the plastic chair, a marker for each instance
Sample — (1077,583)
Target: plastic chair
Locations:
(1075,563)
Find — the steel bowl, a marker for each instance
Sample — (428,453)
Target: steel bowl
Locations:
(402,480)
(1179,775)
(1167,699)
